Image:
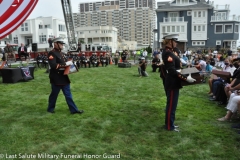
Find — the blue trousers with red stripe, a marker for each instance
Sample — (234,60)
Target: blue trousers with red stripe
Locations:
(172,101)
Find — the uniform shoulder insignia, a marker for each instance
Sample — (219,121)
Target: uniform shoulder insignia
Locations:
(50,57)
(170,59)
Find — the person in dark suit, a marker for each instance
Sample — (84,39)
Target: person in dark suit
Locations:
(173,78)
(58,80)
(22,50)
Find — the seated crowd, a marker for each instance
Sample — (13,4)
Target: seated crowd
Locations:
(223,89)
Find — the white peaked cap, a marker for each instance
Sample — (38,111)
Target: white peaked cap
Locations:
(58,40)
(171,36)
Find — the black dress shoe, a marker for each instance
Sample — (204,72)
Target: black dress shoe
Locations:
(78,112)
(212,99)
(51,111)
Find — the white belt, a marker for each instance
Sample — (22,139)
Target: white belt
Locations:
(179,70)
(61,69)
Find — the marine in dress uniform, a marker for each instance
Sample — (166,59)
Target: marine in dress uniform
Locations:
(102,60)
(58,80)
(84,61)
(173,80)
(93,59)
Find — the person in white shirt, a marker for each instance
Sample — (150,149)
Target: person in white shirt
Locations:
(145,53)
(215,52)
(134,55)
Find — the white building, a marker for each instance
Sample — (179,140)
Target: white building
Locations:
(39,30)
(3,42)
(97,36)
(134,19)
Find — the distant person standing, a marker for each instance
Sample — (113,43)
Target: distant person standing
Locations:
(134,55)
(79,47)
(116,57)
(50,43)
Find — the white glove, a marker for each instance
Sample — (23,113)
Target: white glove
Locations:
(190,79)
(69,63)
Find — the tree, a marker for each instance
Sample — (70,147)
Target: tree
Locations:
(149,49)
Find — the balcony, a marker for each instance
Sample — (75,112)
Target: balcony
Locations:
(173,19)
(225,18)
(222,7)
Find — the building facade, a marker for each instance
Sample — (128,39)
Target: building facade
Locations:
(199,24)
(39,30)
(97,36)
(134,19)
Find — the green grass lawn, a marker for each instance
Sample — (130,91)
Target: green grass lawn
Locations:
(124,114)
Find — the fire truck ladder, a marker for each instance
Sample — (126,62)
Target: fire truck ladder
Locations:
(69,21)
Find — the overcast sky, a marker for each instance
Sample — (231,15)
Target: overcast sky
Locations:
(53,8)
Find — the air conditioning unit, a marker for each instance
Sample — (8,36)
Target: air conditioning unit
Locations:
(218,42)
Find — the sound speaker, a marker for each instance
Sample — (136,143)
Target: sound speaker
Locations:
(34,47)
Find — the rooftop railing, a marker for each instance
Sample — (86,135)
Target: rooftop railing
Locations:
(225,18)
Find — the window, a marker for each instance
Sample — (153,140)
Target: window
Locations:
(221,16)
(228,28)
(173,16)
(163,29)
(198,43)
(173,28)
(203,28)
(189,13)
(178,28)
(168,29)
(236,28)
(199,28)
(218,28)
(194,28)
(182,28)
(47,26)
(40,26)
(203,13)
(42,39)
(61,27)
(195,14)
(22,27)
(218,42)
(199,14)
(26,26)
(15,40)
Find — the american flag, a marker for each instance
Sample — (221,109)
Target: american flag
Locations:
(13,14)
